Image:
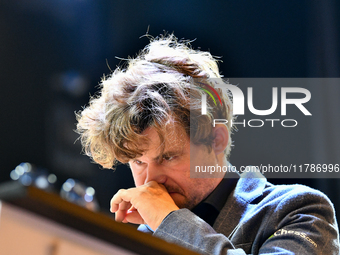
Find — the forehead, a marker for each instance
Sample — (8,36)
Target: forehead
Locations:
(172,137)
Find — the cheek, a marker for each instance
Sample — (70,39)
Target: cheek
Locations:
(199,156)
(138,177)
(180,176)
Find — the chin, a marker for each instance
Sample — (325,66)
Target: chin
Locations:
(178,199)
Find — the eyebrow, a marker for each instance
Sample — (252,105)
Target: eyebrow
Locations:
(168,154)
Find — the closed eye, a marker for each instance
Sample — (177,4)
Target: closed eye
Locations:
(169,158)
(137,162)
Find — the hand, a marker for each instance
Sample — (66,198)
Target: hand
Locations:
(147,204)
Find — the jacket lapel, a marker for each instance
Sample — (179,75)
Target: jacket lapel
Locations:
(249,187)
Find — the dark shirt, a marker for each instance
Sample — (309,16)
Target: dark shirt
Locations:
(210,207)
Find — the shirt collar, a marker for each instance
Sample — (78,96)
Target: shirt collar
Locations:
(210,207)
(219,196)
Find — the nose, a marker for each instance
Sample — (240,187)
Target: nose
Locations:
(155,172)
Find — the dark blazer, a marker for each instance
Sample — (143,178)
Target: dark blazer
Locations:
(259,218)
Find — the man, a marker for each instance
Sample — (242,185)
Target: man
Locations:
(149,116)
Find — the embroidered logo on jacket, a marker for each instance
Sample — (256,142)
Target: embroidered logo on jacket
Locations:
(293,232)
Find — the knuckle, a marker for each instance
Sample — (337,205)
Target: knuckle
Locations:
(151,184)
(117,196)
(120,191)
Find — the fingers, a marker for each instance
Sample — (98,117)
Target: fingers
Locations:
(122,211)
(120,197)
(134,217)
(119,205)
(156,185)
(147,204)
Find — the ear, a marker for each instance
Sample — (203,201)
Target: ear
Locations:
(221,139)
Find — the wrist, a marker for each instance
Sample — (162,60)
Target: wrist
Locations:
(158,222)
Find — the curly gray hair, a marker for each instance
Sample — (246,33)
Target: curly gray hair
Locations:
(158,88)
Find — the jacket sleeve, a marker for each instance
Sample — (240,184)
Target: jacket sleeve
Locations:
(300,223)
(186,229)
(306,224)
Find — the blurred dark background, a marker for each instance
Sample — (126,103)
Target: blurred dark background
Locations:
(53,54)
